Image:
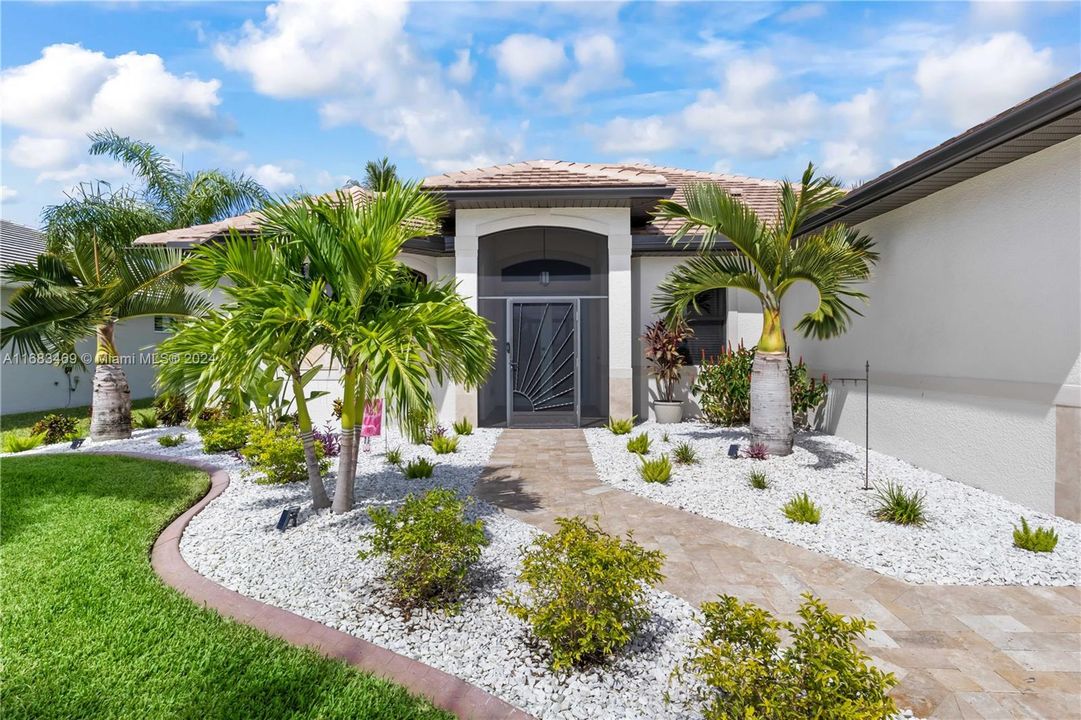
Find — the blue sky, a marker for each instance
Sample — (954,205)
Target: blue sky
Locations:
(301,94)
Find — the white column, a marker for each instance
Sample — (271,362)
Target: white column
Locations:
(465,272)
(620,330)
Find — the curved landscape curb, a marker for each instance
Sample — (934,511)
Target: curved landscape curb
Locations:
(442,689)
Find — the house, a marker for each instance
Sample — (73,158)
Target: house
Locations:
(972,331)
(34,383)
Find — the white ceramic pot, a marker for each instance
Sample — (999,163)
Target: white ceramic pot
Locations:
(668,413)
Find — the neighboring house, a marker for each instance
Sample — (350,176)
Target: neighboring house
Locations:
(979,281)
(36,383)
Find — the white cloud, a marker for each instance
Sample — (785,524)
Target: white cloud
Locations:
(8,194)
(40,153)
(1003,13)
(358,61)
(804,11)
(600,67)
(527,59)
(642,135)
(85,171)
(848,158)
(462,69)
(861,121)
(978,80)
(273,177)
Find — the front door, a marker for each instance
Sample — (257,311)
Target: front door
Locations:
(542,357)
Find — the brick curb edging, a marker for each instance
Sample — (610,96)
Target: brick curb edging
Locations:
(442,689)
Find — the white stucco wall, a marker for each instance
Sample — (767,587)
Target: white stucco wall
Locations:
(973,331)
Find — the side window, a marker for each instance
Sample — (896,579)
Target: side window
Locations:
(708,323)
(162,324)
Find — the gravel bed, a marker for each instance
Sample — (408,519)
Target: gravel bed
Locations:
(968,539)
(313,570)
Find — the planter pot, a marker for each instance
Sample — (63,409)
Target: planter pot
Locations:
(668,413)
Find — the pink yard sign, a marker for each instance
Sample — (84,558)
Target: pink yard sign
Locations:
(372,425)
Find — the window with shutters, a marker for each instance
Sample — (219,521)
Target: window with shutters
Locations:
(708,323)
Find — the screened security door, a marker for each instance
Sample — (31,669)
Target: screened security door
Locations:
(542,356)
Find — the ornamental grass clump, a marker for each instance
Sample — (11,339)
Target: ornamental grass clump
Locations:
(229,434)
(639,444)
(743,668)
(419,468)
(394,457)
(620,427)
(801,509)
(585,591)
(684,454)
(463,427)
(657,470)
(429,546)
(279,454)
(444,444)
(1039,540)
(758,480)
(171,440)
(55,427)
(17,443)
(900,507)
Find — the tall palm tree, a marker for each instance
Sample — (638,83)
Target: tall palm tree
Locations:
(767,259)
(86,285)
(380,174)
(391,334)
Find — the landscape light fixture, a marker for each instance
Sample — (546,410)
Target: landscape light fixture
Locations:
(288,517)
(733,450)
(77,443)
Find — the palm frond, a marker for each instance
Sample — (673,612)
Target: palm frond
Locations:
(49,324)
(212,195)
(679,291)
(164,182)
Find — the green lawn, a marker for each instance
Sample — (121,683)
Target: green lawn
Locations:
(89,631)
(21,423)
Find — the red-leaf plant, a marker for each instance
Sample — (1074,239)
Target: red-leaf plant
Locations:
(662,341)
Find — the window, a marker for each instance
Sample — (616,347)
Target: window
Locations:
(708,323)
(162,323)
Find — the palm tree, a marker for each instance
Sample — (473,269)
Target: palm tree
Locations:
(391,334)
(767,260)
(380,174)
(88,284)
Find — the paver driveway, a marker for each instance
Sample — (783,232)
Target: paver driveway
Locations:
(959,652)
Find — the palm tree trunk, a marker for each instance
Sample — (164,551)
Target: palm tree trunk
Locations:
(110,417)
(343,489)
(361,403)
(771,401)
(304,421)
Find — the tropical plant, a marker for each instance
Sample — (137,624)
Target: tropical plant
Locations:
(770,256)
(54,427)
(145,419)
(418,468)
(278,453)
(639,444)
(380,175)
(757,451)
(742,666)
(807,393)
(429,546)
(801,509)
(444,444)
(329,440)
(1039,540)
(685,454)
(662,342)
(620,427)
(758,480)
(463,427)
(171,440)
(656,470)
(17,443)
(172,409)
(722,386)
(900,507)
(584,591)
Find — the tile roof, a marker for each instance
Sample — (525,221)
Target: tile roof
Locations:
(19,244)
(544,174)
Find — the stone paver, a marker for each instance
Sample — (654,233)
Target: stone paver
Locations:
(965,652)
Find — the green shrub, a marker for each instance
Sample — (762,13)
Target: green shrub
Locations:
(279,453)
(897,506)
(171,440)
(620,427)
(463,427)
(802,509)
(743,668)
(171,409)
(429,547)
(684,454)
(229,434)
(1039,540)
(419,468)
(585,591)
(758,480)
(658,470)
(806,392)
(394,457)
(17,443)
(145,419)
(444,444)
(639,444)
(208,417)
(55,428)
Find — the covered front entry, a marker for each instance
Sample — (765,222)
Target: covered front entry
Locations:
(545,294)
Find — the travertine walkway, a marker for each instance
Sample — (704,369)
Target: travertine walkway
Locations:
(959,652)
